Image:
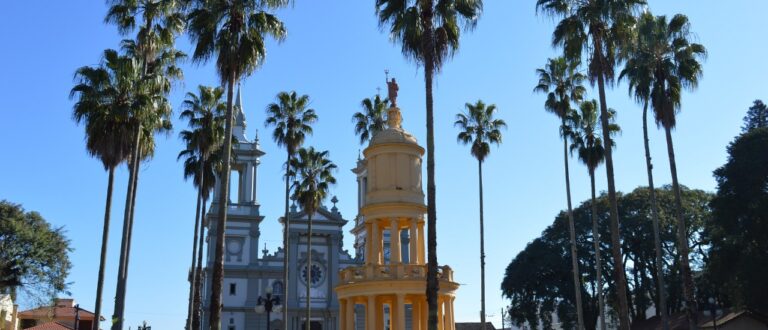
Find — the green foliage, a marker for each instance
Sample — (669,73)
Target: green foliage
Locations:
(538,279)
(756,117)
(406,25)
(33,255)
(371,119)
(479,128)
(563,84)
(234,32)
(292,119)
(584,128)
(314,175)
(205,115)
(739,252)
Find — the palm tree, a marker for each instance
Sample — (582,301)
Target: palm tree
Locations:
(235,32)
(101,95)
(595,29)
(589,146)
(429,34)
(313,172)
(638,71)
(563,84)
(371,119)
(292,120)
(480,129)
(205,115)
(667,63)
(161,21)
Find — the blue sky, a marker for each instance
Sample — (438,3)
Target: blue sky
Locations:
(336,53)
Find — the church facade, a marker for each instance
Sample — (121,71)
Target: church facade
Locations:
(250,272)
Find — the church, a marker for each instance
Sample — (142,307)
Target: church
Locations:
(382,287)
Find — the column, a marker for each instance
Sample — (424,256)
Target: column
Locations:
(370,313)
(440,322)
(394,246)
(368,243)
(415,314)
(424,311)
(421,243)
(350,314)
(376,242)
(379,314)
(449,313)
(400,306)
(248,184)
(343,313)
(413,243)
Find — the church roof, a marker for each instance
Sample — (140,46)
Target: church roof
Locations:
(394,133)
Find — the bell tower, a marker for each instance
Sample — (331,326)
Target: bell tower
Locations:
(392,202)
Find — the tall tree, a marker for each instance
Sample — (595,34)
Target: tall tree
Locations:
(675,63)
(756,117)
(204,113)
(595,29)
(102,97)
(159,22)
(589,146)
(314,175)
(638,71)
(562,83)
(538,279)
(371,119)
(234,32)
(428,33)
(737,232)
(34,256)
(479,128)
(293,122)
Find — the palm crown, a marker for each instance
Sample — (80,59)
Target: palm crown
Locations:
(662,62)
(292,119)
(404,18)
(314,175)
(585,134)
(371,119)
(205,116)
(235,31)
(562,82)
(479,128)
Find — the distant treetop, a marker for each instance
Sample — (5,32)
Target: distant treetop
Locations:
(757,116)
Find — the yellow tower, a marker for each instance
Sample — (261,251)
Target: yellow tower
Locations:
(393,201)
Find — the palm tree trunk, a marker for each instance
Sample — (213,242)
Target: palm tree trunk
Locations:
(428,45)
(572,232)
(130,235)
(482,248)
(214,321)
(655,218)
(196,308)
(598,258)
(286,227)
(103,258)
(619,275)
(309,267)
(117,312)
(193,269)
(682,238)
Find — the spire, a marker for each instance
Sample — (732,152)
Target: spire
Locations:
(238,131)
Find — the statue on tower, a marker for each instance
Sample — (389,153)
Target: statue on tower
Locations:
(392,89)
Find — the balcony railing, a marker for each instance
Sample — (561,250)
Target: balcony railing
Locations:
(391,272)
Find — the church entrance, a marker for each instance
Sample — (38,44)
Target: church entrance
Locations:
(313,325)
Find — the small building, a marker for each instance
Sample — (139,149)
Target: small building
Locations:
(744,319)
(474,326)
(63,314)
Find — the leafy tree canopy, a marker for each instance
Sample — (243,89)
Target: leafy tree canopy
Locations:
(537,281)
(757,116)
(738,232)
(33,255)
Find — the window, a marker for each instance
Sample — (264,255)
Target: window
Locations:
(277,288)
(232,289)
